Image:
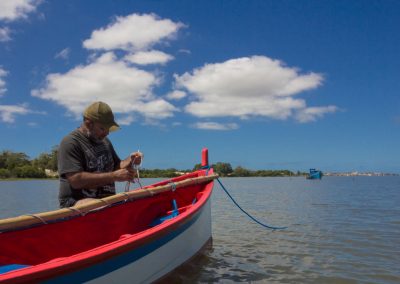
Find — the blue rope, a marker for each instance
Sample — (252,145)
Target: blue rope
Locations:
(207,168)
(251,217)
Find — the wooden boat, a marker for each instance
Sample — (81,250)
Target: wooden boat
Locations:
(133,237)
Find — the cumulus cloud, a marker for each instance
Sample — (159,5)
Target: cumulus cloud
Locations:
(9,112)
(127,120)
(249,86)
(187,51)
(312,113)
(11,10)
(63,54)
(176,95)
(133,33)
(127,89)
(215,126)
(114,79)
(4,34)
(32,124)
(149,57)
(3,88)
(176,123)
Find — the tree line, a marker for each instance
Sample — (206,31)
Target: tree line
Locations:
(225,170)
(19,165)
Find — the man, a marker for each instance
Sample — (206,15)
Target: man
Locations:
(87,162)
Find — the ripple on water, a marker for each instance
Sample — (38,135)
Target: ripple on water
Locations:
(340,230)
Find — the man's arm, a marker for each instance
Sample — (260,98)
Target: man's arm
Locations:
(81,180)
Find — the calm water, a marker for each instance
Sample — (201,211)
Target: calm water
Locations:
(340,229)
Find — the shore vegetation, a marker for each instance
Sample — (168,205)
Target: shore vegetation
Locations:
(18,165)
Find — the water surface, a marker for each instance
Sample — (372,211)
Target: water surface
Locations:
(340,229)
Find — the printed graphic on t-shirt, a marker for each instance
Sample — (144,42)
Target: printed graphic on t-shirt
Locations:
(90,193)
(108,188)
(99,159)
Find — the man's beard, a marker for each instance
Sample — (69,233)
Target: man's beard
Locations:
(92,138)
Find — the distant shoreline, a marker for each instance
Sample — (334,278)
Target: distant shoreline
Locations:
(22,179)
(294,176)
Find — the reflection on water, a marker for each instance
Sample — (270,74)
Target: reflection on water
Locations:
(340,230)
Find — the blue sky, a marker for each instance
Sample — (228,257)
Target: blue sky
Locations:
(262,84)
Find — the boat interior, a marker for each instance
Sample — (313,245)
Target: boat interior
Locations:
(63,238)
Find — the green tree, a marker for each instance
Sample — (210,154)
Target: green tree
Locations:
(42,161)
(53,163)
(197,167)
(47,160)
(4,173)
(29,171)
(223,169)
(3,160)
(156,173)
(10,160)
(241,172)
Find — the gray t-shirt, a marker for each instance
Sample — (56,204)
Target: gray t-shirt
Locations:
(78,153)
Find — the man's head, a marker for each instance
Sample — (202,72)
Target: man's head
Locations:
(101,112)
(99,120)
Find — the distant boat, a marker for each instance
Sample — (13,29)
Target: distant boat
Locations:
(314,174)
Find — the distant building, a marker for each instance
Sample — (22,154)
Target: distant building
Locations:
(50,173)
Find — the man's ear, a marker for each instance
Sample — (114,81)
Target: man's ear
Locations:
(88,123)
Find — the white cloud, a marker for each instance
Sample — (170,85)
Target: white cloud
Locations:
(11,10)
(246,87)
(9,112)
(176,95)
(4,34)
(126,89)
(176,123)
(133,33)
(127,120)
(32,124)
(215,126)
(149,57)
(187,51)
(312,113)
(3,88)
(157,109)
(63,54)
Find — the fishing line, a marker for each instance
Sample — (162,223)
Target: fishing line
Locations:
(251,217)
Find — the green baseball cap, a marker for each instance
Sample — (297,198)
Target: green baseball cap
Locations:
(101,112)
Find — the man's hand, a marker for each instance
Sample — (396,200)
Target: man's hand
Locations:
(126,174)
(84,201)
(136,158)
